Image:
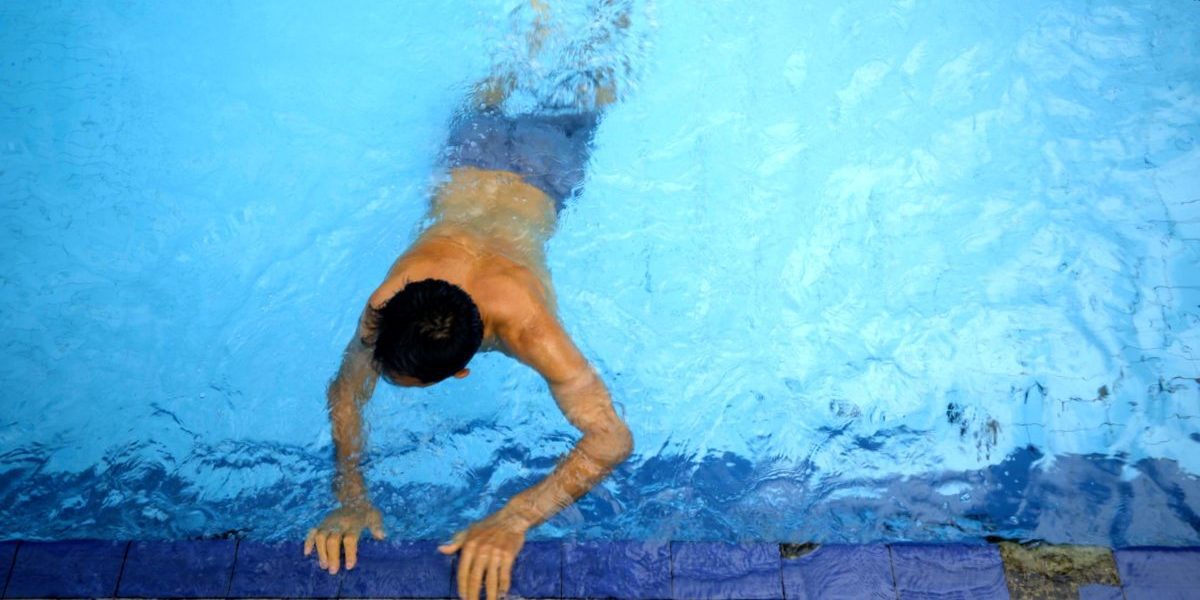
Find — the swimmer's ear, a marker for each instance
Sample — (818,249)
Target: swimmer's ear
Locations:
(462,373)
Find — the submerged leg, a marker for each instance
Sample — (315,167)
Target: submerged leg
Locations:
(583,84)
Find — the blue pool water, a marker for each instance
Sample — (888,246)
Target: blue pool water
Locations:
(853,271)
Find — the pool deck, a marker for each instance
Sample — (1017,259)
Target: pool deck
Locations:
(576,569)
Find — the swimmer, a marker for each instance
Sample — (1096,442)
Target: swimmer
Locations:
(475,281)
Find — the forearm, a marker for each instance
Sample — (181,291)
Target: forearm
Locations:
(592,459)
(348,392)
(348,483)
(606,443)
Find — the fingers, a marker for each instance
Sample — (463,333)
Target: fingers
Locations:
(375,524)
(308,541)
(333,548)
(319,542)
(478,567)
(464,570)
(351,543)
(506,564)
(493,577)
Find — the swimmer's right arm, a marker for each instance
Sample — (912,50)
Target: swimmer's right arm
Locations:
(348,392)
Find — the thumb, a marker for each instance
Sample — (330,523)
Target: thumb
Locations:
(376,527)
(453,545)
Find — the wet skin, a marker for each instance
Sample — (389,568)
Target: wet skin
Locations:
(487,237)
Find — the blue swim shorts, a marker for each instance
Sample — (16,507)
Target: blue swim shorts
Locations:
(549,152)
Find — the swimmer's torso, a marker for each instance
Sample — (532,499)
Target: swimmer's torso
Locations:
(499,210)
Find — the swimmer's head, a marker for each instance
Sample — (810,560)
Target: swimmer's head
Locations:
(426,333)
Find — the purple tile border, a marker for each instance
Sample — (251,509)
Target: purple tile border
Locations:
(66,569)
(1159,573)
(547,569)
(948,571)
(837,572)
(399,570)
(279,570)
(725,571)
(537,573)
(617,569)
(177,569)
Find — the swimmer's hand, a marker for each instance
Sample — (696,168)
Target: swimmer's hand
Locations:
(489,547)
(343,527)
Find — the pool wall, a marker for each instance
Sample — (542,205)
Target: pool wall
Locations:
(569,569)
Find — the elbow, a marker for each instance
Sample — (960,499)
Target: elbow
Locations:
(610,446)
(623,444)
(629,444)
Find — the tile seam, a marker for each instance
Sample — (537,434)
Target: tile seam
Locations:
(11,567)
(671,568)
(782,587)
(237,544)
(892,568)
(121,571)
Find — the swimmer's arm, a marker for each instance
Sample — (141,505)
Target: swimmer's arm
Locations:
(348,392)
(585,401)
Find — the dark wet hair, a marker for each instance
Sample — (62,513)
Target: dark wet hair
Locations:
(429,330)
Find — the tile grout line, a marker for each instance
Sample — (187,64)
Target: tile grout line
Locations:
(1112,551)
(11,567)
(892,568)
(671,566)
(237,544)
(120,573)
(782,587)
(1117,568)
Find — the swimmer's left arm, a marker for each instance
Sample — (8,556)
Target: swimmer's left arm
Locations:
(585,401)
(491,545)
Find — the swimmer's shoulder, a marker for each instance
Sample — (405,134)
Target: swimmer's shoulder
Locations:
(512,296)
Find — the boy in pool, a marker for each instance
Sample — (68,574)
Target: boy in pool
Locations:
(477,279)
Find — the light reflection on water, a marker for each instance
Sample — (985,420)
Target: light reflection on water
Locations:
(923,271)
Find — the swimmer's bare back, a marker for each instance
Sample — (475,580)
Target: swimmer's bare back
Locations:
(488,235)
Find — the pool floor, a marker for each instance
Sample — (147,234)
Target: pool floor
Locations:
(593,569)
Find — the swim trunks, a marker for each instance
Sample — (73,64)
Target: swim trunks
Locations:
(548,151)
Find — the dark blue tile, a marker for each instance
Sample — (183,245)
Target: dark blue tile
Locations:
(537,572)
(949,571)
(633,570)
(8,551)
(66,569)
(1095,591)
(716,571)
(838,572)
(398,569)
(279,570)
(1159,573)
(178,569)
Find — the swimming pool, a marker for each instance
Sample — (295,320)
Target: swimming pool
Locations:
(853,271)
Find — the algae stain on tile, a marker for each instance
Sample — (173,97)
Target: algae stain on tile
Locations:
(798,550)
(1036,571)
